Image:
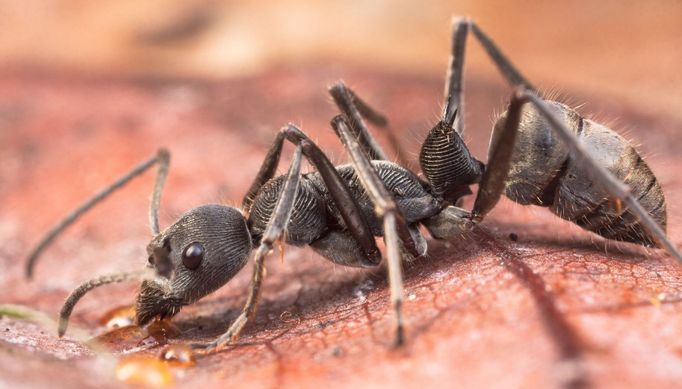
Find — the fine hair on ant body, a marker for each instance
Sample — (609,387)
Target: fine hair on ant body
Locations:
(541,152)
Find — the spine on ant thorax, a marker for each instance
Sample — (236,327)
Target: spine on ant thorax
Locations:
(448,164)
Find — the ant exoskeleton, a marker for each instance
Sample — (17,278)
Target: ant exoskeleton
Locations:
(541,152)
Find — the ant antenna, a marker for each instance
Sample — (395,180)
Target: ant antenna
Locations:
(89,285)
(162,158)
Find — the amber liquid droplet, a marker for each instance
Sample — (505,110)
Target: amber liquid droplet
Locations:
(121,316)
(178,355)
(162,330)
(120,338)
(144,370)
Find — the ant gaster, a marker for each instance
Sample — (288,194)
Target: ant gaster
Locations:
(541,152)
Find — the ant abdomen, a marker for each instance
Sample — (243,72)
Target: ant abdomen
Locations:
(543,173)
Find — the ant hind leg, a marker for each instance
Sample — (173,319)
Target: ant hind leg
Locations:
(499,161)
(599,174)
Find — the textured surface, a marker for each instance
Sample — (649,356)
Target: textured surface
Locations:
(558,305)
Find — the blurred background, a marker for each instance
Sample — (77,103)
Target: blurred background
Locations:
(608,46)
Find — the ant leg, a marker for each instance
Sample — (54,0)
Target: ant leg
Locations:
(453,81)
(510,73)
(86,287)
(499,161)
(355,109)
(274,231)
(162,158)
(266,172)
(382,199)
(600,175)
(345,202)
(444,157)
(395,227)
(348,103)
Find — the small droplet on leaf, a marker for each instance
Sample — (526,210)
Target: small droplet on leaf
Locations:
(162,330)
(117,338)
(118,317)
(658,299)
(144,370)
(178,355)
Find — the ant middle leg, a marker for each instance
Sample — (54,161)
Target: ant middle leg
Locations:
(383,201)
(397,235)
(347,205)
(358,230)
(355,109)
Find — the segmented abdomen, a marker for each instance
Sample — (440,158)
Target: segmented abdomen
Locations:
(544,174)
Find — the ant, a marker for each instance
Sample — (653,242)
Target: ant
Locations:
(541,152)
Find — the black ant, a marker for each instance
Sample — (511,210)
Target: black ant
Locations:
(541,152)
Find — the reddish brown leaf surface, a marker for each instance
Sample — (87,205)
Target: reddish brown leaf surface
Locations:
(557,306)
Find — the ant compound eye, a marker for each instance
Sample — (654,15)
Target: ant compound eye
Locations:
(193,255)
(151,260)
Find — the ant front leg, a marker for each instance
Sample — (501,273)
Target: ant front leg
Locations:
(273,232)
(266,172)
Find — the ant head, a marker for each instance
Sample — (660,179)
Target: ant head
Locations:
(196,255)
